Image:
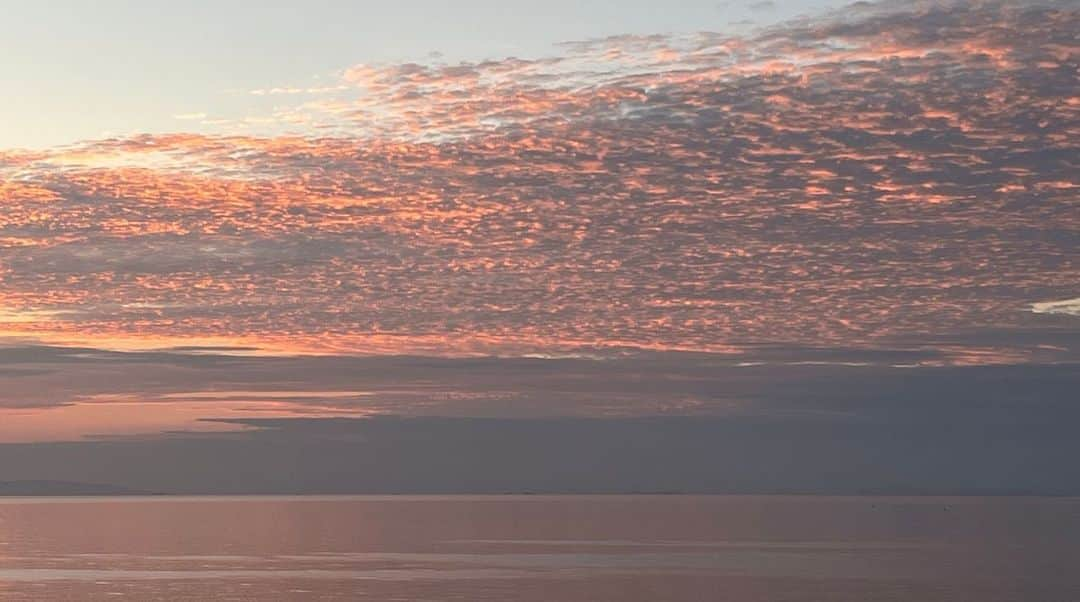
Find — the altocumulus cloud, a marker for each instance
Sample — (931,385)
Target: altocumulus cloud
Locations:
(835,182)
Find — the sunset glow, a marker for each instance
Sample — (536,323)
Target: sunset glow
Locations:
(888,188)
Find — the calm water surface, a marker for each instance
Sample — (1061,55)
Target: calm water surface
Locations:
(541,548)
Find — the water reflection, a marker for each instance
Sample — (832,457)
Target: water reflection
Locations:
(587,548)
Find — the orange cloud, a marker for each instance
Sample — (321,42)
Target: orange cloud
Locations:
(822,184)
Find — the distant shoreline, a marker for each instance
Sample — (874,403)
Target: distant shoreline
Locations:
(9,495)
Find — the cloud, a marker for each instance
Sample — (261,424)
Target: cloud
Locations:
(810,454)
(895,172)
(1068,307)
(70,393)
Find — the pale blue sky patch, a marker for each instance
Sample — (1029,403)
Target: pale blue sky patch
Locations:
(76,70)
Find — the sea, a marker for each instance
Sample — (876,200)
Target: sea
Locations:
(542,548)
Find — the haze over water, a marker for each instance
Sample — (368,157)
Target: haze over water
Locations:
(542,548)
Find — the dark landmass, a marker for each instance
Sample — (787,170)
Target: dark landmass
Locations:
(62,488)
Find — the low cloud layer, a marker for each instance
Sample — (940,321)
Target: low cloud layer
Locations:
(67,394)
(995,452)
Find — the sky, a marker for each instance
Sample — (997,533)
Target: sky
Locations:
(743,230)
(124,67)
